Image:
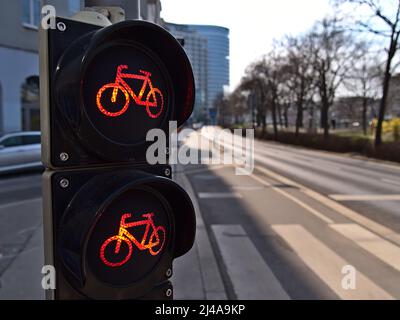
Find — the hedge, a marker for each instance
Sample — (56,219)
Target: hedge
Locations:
(389,151)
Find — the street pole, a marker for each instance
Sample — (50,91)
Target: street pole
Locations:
(131,7)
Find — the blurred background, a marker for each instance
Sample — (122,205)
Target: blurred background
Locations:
(317,80)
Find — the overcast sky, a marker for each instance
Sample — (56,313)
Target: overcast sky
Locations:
(253,24)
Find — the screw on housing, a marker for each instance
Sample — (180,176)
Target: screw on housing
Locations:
(64,183)
(61,26)
(64,156)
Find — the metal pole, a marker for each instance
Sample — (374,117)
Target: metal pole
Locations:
(105,3)
(132,8)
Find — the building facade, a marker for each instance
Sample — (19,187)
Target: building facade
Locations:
(393,108)
(19,56)
(195,46)
(218,64)
(208,50)
(19,61)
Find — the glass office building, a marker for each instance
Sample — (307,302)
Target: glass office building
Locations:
(208,50)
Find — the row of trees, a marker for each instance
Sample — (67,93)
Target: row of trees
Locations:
(309,71)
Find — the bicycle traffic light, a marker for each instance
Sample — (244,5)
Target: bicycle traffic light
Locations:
(112,223)
(107,87)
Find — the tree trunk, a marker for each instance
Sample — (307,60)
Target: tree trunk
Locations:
(286,117)
(311,118)
(324,110)
(382,105)
(278,106)
(274,120)
(364,115)
(299,117)
(263,121)
(324,118)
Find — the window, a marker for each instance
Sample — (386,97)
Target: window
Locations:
(31,139)
(12,142)
(31,13)
(74,6)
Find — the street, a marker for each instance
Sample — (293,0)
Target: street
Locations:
(305,225)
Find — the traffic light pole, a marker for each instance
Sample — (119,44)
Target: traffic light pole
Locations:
(113,221)
(131,7)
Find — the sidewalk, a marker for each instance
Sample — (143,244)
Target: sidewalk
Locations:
(196,275)
(22,280)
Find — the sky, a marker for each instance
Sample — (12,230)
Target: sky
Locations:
(253,24)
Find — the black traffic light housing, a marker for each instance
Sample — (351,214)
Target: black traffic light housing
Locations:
(82,218)
(81,61)
(112,223)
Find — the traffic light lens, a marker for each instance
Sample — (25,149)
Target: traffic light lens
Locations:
(125,93)
(129,238)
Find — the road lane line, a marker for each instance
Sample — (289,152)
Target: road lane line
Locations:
(396,183)
(335,206)
(294,199)
(327,265)
(365,197)
(219,195)
(250,275)
(380,248)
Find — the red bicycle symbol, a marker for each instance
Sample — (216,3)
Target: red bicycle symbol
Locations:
(154,102)
(154,244)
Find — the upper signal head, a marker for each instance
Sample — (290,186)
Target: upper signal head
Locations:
(109,87)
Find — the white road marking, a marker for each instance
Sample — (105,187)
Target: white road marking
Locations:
(365,197)
(219,195)
(382,249)
(327,265)
(294,199)
(336,206)
(396,183)
(250,275)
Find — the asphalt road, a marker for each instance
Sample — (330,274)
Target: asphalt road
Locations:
(304,225)
(293,230)
(363,185)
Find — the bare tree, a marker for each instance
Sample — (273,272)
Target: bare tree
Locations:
(300,77)
(238,105)
(273,70)
(362,80)
(333,51)
(223,110)
(383,20)
(256,82)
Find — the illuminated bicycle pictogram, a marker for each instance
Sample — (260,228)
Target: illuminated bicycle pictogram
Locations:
(154,101)
(153,239)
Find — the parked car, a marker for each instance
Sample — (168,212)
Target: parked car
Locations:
(20,151)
